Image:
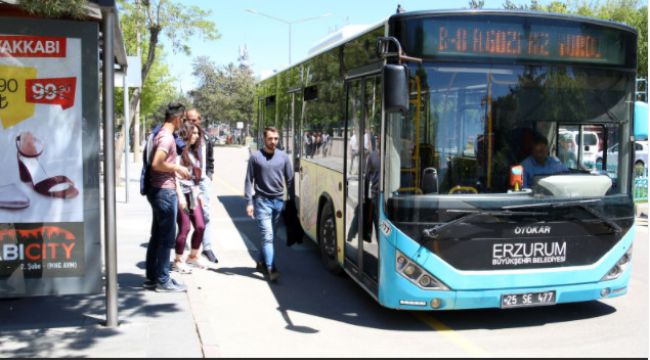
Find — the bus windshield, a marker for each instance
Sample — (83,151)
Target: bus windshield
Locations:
(510,133)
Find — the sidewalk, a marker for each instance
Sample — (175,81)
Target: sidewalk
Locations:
(151,324)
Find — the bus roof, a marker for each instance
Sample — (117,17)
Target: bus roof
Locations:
(459,12)
(501,12)
(330,47)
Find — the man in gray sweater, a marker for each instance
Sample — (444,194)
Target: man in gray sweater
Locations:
(268,170)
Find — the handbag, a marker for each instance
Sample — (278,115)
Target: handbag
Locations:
(368,219)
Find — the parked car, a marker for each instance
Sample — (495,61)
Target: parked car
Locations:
(640,158)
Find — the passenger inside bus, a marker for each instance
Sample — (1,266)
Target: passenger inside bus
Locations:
(540,163)
(566,152)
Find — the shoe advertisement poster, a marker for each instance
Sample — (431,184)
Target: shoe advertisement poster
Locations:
(42,194)
(40,112)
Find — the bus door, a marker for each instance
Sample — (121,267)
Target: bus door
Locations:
(261,107)
(362,166)
(294,131)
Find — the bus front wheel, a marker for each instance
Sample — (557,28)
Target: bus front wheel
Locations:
(327,239)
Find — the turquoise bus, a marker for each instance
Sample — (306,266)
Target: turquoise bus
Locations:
(408,139)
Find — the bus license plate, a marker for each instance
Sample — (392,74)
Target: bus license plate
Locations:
(527,299)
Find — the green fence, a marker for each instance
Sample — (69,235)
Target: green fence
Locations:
(641,189)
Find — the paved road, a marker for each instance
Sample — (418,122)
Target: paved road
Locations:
(313,313)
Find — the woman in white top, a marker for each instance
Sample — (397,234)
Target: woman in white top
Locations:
(190,205)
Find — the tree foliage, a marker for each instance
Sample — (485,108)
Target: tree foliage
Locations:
(224,94)
(476,4)
(155,18)
(55,8)
(157,90)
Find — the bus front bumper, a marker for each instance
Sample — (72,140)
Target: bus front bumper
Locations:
(409,297)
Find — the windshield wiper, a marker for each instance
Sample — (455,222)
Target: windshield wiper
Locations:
(579,203)
(434,231)
(552,204)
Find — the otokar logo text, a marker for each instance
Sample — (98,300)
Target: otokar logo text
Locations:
(533,230)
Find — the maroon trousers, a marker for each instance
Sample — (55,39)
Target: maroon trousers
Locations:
(185,223)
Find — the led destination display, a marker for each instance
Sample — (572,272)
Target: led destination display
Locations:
(524,40)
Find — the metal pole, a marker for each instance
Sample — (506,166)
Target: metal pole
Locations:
(143,135)
(289,44)
(136,117)
(109,170)
(126,140)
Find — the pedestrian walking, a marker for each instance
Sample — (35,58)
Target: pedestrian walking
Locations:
(207,167)
(161,194)
(268,171)
(190,201)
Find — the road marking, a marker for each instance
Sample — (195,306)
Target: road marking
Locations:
(452,335)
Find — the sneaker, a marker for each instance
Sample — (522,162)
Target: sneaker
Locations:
(273,274)
(181,268)
(171,286)
(195,263)
(210,256)
(149,284)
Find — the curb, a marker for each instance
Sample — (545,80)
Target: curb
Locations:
(209,347)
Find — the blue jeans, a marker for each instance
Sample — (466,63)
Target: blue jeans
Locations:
(267,215)
(204,186)
(164,204)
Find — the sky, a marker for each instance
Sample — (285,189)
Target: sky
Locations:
(267,40)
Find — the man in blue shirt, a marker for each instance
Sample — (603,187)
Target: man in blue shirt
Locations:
(540,163)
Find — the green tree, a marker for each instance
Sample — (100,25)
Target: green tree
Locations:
(152,19)
(557,7)
(55,8)
(224,94)
(157,90)
(635,14)
(511,5)
(476,4)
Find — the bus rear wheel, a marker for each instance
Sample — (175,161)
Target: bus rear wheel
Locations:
(327,239)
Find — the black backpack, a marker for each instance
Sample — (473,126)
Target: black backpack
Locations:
(147,157)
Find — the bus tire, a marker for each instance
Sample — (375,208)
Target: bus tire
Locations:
(327,239)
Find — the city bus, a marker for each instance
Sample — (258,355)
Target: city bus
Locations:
(408,139)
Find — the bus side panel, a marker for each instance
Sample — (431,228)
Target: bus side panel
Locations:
(318,181)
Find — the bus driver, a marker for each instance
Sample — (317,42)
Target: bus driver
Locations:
(540,163)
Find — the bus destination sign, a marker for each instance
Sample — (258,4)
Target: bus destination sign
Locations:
(574,42)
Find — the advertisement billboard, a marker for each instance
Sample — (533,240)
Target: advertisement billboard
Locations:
(49,188)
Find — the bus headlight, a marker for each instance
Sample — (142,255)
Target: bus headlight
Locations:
(416,274)
(620,266)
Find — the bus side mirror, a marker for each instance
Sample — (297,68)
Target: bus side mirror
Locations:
(396,88)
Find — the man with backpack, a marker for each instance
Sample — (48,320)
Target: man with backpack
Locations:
(159,184)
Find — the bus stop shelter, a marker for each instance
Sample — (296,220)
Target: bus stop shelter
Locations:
(52,117)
